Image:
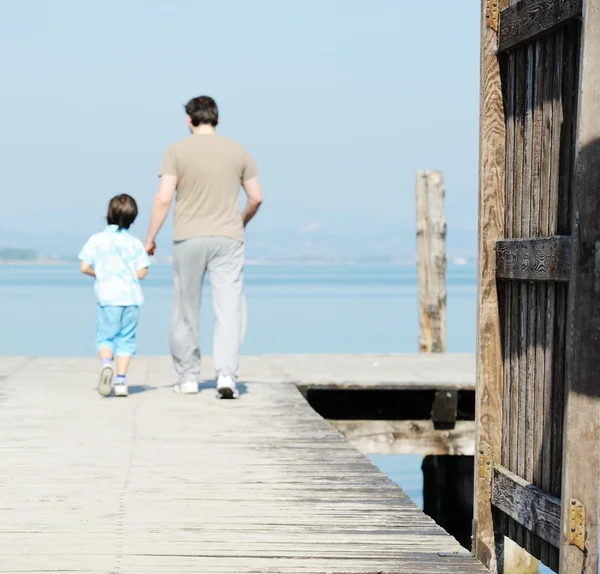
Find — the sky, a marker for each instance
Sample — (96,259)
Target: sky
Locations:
(339,101)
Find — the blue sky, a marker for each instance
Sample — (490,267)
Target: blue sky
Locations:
(340,102)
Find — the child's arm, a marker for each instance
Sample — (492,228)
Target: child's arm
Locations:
(87,269)
(87,256)
(142,261)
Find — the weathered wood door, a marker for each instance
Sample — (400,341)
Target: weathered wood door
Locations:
(539,263)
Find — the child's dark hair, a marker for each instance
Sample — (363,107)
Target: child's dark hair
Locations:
(122,211)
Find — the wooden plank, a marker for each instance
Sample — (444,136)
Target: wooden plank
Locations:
(535,425)
(10,365)
(548,472)
(528,19)
(557,122)
(505,288)
(570,76)
(513,209)
(489,348)
(547,150)
(519,365)
(565,104)
(519,137)
(537,308)
(557,192)
(399,384)
(558,389)
(358,371)
(515,287)
(516,166)
(539,548)
(145,484)
(542,259)
(523,538)
(581,478)
(530,506)
(536,167)
(431,261)
(557,205)
(407,437)
(395,371)
(544,478)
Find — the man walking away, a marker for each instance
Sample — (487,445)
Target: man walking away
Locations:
(204,173)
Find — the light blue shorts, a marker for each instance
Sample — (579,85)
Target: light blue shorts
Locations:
(116,329)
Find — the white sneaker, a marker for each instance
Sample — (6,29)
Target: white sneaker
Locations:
(226,388)
(106,380)
(121,390)
(186,388)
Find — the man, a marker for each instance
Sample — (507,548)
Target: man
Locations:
(204,173)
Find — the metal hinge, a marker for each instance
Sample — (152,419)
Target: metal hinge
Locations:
(492,14)
(485,461)
(577,524)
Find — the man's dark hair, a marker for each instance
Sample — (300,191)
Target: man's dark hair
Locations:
(203,110)
(122,211)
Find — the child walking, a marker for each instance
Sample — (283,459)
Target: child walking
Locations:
(118,261)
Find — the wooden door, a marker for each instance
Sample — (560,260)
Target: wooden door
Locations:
(534,270)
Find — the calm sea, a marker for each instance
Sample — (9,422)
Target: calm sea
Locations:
(49,311)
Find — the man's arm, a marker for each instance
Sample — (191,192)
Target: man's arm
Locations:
(160,209)
(87,269)
(255,198)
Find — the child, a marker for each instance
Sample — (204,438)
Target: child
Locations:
(118,261)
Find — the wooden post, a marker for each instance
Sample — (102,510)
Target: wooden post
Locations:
(431,261)
(488,442)
(581,470)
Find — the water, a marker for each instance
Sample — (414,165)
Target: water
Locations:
(404,470)
(50,311)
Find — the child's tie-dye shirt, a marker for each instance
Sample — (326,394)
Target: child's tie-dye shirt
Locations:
(116,256)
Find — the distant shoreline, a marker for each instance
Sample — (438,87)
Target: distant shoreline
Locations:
(40,263)
(249,262)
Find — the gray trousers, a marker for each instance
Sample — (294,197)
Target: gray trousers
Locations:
(223,258)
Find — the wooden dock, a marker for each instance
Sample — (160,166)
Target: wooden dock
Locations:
(159,482)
